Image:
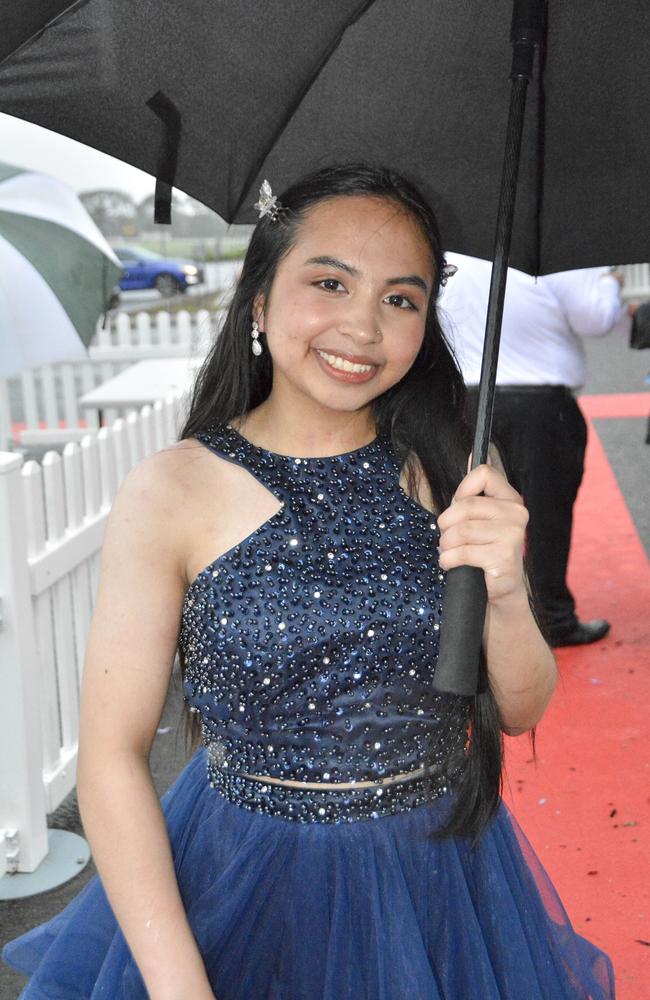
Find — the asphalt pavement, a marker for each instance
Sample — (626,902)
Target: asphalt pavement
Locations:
(613,369)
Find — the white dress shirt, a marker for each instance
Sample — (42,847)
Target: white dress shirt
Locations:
(543,321)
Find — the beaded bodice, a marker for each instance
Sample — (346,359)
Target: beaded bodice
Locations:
(310,646)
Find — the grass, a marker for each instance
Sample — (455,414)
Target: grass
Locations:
(233,253)
(202,249)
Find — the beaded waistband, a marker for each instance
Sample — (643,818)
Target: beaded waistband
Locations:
(328,805)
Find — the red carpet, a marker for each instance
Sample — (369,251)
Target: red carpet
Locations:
(585,803)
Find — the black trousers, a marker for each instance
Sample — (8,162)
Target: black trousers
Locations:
(541,435)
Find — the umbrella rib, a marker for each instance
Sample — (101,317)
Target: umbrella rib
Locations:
(295,104)
(70,9)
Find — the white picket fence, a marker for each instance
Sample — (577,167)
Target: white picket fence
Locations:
(45,399)
(637,281)
(52,519)
(134,336)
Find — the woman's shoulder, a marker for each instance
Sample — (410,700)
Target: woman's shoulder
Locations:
(162,476)
(160,492)
(156,507)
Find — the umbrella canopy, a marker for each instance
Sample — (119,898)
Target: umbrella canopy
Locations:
(215,98)
(57,272)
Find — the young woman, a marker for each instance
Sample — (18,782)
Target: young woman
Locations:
(339,833)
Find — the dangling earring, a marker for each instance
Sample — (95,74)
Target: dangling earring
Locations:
(256,346)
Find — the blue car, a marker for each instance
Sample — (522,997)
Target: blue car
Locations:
(146,269)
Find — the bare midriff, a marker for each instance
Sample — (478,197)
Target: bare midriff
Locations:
(339,785)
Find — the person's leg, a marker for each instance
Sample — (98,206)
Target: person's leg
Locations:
(542,437)
(554,473)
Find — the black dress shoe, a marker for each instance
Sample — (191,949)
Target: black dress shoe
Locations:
(581,633)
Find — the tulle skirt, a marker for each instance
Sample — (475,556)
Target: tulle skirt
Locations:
(368,910)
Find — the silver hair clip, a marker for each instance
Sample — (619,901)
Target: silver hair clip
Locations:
(447,272)
(268,203)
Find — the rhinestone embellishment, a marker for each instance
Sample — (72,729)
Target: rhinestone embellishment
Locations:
(310,646)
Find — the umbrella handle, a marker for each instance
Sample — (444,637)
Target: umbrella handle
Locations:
(461,632)
(465,592)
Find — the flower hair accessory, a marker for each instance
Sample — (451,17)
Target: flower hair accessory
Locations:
(268,203)
(447,272)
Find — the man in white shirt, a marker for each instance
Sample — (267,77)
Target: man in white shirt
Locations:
(538,425)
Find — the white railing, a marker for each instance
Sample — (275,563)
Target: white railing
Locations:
(44,401)
(52,519)
(134,336)
(637,281)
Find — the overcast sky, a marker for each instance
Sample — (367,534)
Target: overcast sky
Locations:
(83,168)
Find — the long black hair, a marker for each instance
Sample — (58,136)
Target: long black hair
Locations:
(423,414)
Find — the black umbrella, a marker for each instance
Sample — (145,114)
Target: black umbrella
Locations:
(214,98)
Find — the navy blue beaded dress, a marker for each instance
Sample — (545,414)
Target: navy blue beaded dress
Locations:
(310,648)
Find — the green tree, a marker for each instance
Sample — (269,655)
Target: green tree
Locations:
(113,212)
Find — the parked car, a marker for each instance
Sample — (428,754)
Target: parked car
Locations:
(146,269)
